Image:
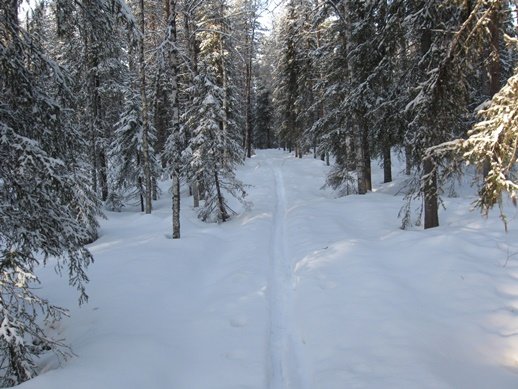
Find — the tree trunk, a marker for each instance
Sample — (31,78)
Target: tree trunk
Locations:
(154,188)
(431,208)
(146,160)
(367,164)
(140,186)
(360,158)
(221,201)
(141,196)
(195,194)
(103,175)
(248,110)
(175,119)
(176,206)
(224,86)
(250,36)
(387,164)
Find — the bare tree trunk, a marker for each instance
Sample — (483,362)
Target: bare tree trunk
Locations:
(360,157)
(367,173)
(224,86)
(103,175)
(155,189)
(431,208)
(221,201)
(175,120)
(358,132)
(250,36)
(140,185)
(141,196)
(145,115)
(176,206)
(387,164)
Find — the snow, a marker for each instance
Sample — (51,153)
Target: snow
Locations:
(303,291)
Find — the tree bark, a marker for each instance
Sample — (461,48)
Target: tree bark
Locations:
(103,175)
(387,164)
(360,157)
(176,206)
(146,160)
(367,174)
(221,201)
(175,120)
(431,208)
(250,36)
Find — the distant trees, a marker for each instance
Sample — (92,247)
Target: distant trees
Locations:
(263,119)
(387,75)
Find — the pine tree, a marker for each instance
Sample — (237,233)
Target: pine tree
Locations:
(215,142)
(495,139)
(386,115)
(126,151)
(46,209)
(213,155)
(440,99)
(491,143)
(175,141)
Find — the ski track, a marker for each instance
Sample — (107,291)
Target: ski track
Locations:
(285,363)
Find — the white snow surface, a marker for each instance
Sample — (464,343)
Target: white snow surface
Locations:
(303,291)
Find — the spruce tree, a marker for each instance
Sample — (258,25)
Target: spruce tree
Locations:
(46,208)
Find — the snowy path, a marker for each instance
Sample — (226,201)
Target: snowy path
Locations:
(302,291)
(285,370)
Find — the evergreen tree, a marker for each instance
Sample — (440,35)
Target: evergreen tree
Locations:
(263,115)
(46,209)
(215,143)
(212,154)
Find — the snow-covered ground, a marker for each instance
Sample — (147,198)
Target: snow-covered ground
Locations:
(303,291)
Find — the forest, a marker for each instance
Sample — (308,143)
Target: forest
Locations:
(108,106)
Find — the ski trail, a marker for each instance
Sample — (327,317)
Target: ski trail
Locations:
(285,368)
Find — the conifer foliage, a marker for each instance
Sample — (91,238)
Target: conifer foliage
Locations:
(46,210)
(102,100)
(381,76)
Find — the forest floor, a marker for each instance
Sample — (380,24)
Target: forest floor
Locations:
(301,291)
